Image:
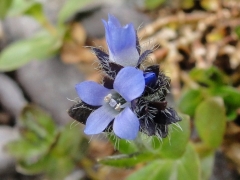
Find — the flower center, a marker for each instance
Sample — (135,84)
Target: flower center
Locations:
(112,102)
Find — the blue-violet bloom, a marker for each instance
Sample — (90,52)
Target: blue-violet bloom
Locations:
(115,103)
(121,42)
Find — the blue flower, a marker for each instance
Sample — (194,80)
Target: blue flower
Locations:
(122,42)
(115,103)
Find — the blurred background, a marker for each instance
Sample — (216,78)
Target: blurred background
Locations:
(43,54)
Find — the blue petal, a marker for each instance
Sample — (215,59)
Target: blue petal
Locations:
(99,119)
(113,21)
(121,42)
(129,83)
(126,124)
(91,93)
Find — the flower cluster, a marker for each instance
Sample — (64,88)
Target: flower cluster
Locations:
(131,98)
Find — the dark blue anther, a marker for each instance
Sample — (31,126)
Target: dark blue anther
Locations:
(150,79)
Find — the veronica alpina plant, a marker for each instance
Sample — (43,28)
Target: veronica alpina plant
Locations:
(115,104)
(130,99)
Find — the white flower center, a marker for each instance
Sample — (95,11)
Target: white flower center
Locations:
(112,102)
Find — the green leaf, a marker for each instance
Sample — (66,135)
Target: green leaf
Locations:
(231,114)
(35,119)
(189,101)
(17,54)
(37,135)
(123,146)
(25,150)
(36,11)
(237,31)
(127,160)
(206,156)
(153,4)
(210,121)
(208,77)
(230,95)
(185,168)
(175,146)
(20,7)
(207,163)
(52,167)
(187,4)
(70,8)
(32,168)
(4,6)
(33,9)
(231,98)
(77,144)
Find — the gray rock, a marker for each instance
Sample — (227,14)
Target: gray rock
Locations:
(11,96)
(49,83)
(16,28)
(222,168)
(7,163)
(123,10)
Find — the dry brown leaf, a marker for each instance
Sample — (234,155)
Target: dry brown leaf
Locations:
(73,50)
(100,149)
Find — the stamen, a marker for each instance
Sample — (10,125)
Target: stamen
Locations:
(108,98)
(118,107)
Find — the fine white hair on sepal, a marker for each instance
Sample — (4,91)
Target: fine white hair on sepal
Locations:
(75,100)
(74,124)
(178,126)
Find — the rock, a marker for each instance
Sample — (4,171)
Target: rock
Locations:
(49,83)
(121,9)
(7,163)
(11,96)
(223,169)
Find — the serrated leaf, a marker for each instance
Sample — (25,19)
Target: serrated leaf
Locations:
(190,100)
(17,54)
(32,168)
(185,168)
(70,8)
(210,121)
(153,4)
(123,146)
(25,150)
(52,167)
(38,121)
(174,146)
(4,7)
(77,144)
(127,160)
